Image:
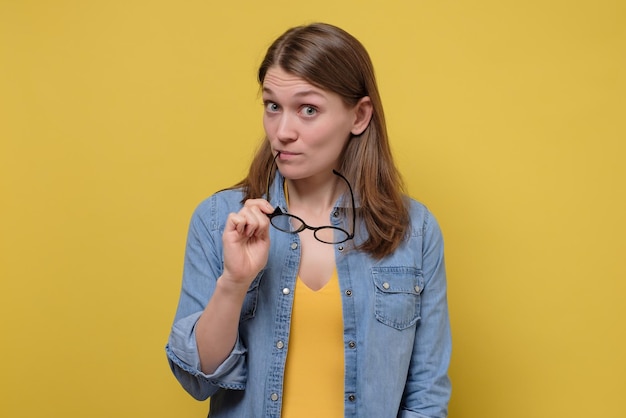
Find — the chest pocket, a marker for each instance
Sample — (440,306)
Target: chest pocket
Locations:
(397,298)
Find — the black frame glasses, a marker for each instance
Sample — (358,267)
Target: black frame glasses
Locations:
(296,225)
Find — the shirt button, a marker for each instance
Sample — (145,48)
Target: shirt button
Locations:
(351,344)
(340,248)
(286,291)
(274,396)
(348,292)
(280,345)
(336,214)
(294,245)
(385,285)
(351,397)
(417,289)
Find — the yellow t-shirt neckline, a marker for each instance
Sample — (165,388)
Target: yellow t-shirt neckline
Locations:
(314,373)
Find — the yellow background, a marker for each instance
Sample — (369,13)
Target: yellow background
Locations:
(117,117)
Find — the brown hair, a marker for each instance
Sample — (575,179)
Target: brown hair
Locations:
(333,60)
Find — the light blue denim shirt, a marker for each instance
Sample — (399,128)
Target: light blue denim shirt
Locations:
(396,328)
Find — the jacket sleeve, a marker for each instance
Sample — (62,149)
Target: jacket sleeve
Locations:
(202,267)
(427,391)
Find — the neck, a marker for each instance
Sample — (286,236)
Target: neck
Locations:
(314,196)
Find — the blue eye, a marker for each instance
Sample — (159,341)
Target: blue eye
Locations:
(271,107)
(309,111)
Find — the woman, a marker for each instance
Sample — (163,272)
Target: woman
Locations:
(315,287)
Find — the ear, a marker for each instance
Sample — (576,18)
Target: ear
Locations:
(363,114)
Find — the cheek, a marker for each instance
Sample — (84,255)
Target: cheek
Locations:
(318,133)
(337,131)
(268,124)
(331,139)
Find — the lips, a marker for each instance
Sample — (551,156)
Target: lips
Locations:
(286,155)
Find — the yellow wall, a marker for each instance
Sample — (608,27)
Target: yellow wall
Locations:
(118,117)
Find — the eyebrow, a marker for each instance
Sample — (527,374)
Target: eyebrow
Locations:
(298,94)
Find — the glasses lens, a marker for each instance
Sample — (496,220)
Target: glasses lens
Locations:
(287,223)
(331,235)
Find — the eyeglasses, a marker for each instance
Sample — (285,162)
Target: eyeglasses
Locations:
(292,224)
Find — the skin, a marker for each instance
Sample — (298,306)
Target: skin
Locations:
(309,127)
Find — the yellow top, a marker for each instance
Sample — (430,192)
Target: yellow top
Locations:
(314,372)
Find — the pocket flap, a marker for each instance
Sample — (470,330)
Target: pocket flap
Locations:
(398,279)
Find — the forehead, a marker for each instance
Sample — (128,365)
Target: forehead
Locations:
(279,81)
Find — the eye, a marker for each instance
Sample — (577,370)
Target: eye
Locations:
(271,107)
(309,111)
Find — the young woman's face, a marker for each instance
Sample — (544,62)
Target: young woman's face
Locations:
(308,126)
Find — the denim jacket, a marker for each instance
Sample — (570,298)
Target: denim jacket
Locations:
(397,340)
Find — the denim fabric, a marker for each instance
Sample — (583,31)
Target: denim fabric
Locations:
(396,327)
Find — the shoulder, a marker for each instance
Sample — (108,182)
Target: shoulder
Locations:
(213,211)
(421,218)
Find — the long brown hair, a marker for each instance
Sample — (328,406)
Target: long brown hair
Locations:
(333,60)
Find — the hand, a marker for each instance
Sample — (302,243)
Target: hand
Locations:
(246,241)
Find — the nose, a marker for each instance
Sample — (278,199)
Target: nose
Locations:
(286,128)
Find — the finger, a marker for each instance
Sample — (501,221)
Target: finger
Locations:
(236,223)
(259,215)
(242,222)
(256,211)
(250,221)
(263,205)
